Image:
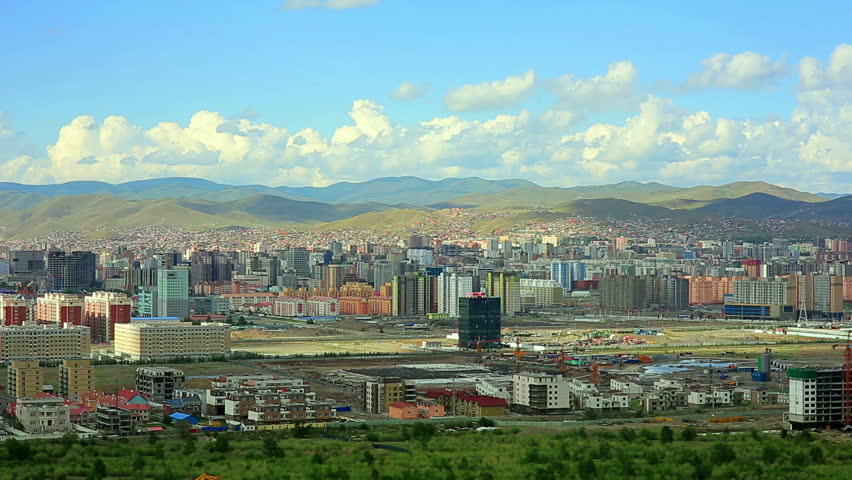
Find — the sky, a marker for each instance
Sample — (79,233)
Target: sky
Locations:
(311,92)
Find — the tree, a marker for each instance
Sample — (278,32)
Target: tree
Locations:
(627,434)
(242,321)
(167,420)
(689,434)
(666,434)
(423,432)
(271,448)
(721,453)
(220,444)
(18,450)
(99,468)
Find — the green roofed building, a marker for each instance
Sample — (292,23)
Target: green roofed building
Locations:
(817,398)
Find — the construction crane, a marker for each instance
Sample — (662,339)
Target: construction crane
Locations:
(595,373)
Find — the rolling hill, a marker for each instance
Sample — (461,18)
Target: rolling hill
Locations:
(653,193)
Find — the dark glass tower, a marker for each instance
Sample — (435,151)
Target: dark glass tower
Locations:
(479,321)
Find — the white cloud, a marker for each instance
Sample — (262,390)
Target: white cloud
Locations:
(743,71)
(658,140)
(611,91)
(491,95)
(329,4)
(407,91)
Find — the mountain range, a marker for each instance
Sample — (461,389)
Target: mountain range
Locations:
(393,202)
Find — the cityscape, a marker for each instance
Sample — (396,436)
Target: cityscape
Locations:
(643,271)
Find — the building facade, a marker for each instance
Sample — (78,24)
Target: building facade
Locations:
(59,308)
(161,340)
(44,342)
(24,378)
(479,321)
(76,376)
(103,310)
(159,383)
(173,293)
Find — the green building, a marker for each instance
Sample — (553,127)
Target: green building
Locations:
(479,321)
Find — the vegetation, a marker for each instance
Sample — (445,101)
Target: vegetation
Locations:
(429,450)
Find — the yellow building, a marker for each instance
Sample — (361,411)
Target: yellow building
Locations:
(157,340)
(25,378)
(507,286)
(75,377)
(44,342)
(379,393)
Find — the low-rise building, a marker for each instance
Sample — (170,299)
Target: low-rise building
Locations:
(42,415)
(271,401)
(711,398)
(159,383)
(539,393)
(625,387)
(379,393)
(24,379)
(415,410)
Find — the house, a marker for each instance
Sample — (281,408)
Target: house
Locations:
(415,410)
(469,404)
(182,417)
(190,405)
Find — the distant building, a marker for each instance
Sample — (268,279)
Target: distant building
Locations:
(479,321)
(451,287)
(71,272)
(566,273)
(173,293)
(543,293)
(506,286)
(60,308)
(159,383)
(414,295)
(150,341)
(14,310)
(103,310)
(209,267)
(623,292)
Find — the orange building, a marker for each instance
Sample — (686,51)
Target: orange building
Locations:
(709,290)
(357,289)
(386,290)
(380,305)
(354,306)
(414,411)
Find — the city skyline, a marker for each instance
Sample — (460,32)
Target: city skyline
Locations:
(565,103)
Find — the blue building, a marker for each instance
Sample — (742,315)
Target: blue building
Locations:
(565,273)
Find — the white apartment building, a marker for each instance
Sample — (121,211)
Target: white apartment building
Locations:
(540,392)
(625,387)
(144,341)
(289,307)
(716,397)
(451,287)
(323,307)
(763,291)
(495,388)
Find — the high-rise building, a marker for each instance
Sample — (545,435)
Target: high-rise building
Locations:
(479,320)
(173,293)
(542,293)
(451,287)
(103,310)
(623,292)
(26,261)
(25,378)
(76,376)
(13,310)
(59,308)
(210,267)
(566,273)
(506,286)
(821,294)
(264,266)
(414,294)
(71,272)
(298,260)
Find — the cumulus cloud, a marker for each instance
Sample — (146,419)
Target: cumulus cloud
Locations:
(407,91)
(659,140)
(491,95)
(611,91)
(329,4)
(743,71)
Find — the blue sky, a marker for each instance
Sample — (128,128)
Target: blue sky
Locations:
(300,73)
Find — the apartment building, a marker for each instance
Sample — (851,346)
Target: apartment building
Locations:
(541,293)
(24,378)
(102,310)
(150,341)
(451,287)
(45,342)
(14,309)
(266,400)
(538,393)
(76,376)
(817,398)
(379,393)
(59,308)
(506,286)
